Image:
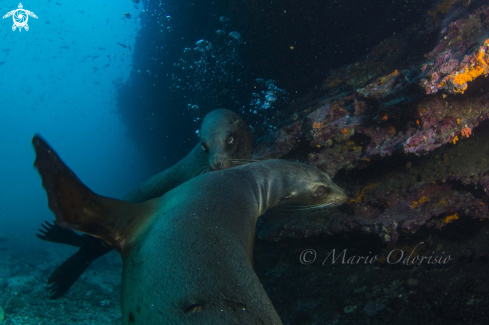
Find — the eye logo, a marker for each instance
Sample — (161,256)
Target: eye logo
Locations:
(20,17)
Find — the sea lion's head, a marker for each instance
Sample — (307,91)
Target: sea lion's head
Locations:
(300,186)
(318,192)
(224,136)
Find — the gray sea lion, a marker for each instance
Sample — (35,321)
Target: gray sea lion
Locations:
(225,142)
(187,255)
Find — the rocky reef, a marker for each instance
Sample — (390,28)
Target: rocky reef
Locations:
(419,109)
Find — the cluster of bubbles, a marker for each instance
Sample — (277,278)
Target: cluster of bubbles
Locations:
(208,75)
(158,10)
(269,97)
(211,75)
(265,102)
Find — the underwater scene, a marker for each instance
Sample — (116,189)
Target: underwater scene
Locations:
(244,162)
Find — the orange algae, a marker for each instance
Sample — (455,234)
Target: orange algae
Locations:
(391,130)
(344,131)
(466,132)
(382,80)
(442,202)
(443,7)
(449,219)
(362,193)
(335,82)
(420,201)
(469,73)
(458,121)
(454,140)
(316,125)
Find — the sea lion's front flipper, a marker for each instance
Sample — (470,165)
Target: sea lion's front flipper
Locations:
(59,235)
(77,207)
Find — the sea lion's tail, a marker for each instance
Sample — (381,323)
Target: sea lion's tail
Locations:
(77,207)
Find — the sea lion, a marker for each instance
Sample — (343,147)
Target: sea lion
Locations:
(187,255)
(225,142)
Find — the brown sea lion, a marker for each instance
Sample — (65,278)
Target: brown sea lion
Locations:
(225,142)
(187,255)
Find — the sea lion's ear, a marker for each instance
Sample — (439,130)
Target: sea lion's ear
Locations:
(288,196)
(239,122)
(77,207)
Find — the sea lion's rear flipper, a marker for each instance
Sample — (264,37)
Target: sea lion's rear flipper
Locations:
(77,207)
(65,275)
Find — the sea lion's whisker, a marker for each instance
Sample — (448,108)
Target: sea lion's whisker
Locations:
(245,160)
(204,170)
(240,162)
(200,171)
(307,207)
(226,164)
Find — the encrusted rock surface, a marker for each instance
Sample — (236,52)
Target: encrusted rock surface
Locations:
(424,112)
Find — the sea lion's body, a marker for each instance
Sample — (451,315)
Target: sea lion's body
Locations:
(187,255)
(197,251)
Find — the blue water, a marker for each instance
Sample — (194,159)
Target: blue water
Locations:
(58,79)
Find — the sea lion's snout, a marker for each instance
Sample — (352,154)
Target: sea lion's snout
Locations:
(341,197)
(215,166)
(219,162)
(336,195)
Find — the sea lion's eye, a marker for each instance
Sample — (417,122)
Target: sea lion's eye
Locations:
(204,147)
(321,190)
(230,140)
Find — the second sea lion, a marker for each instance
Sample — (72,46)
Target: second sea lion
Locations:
(224,138)
(187,255)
